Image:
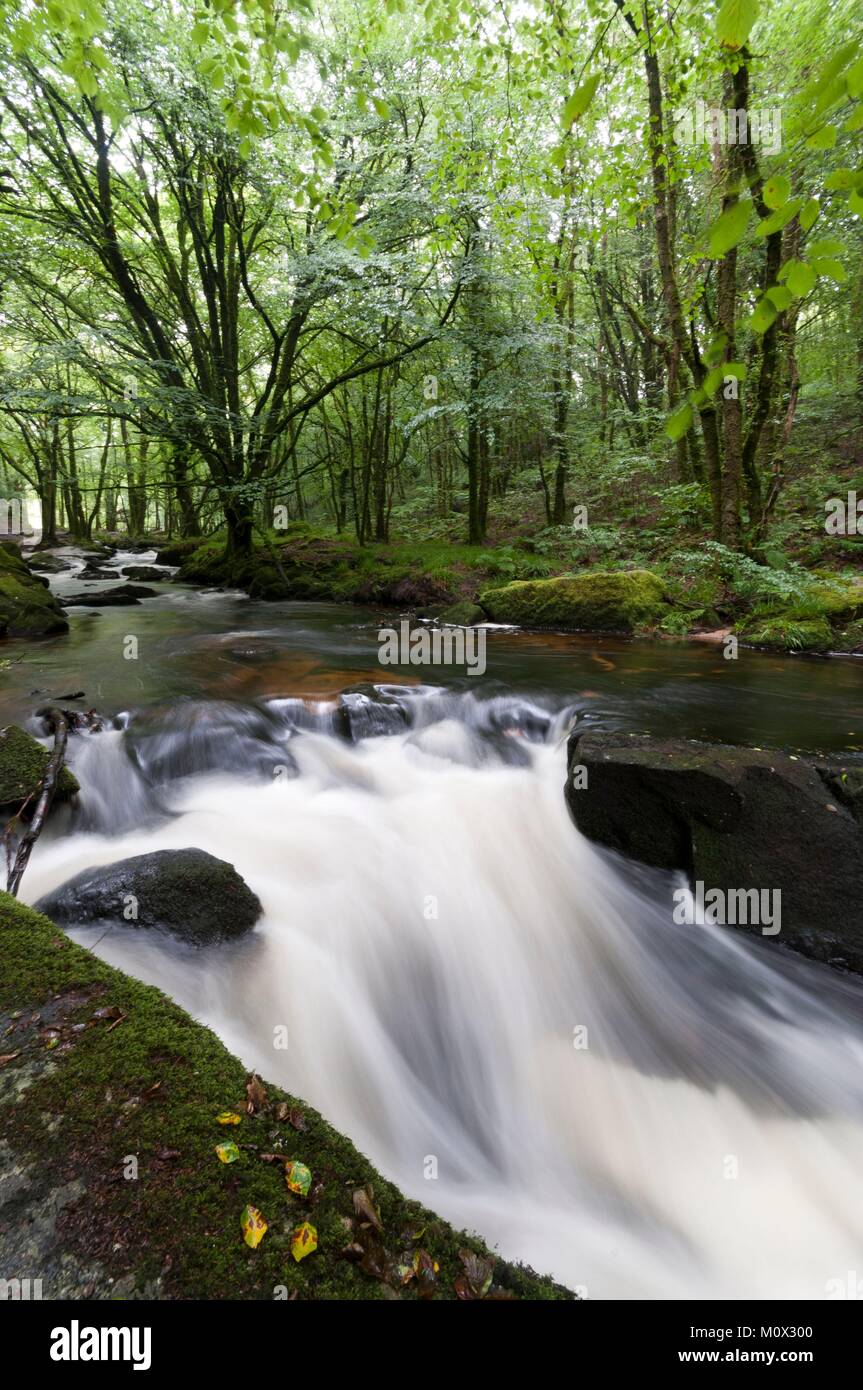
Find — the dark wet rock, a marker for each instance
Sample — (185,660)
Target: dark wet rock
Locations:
(186,892)
(366,711)
(27,607)
(142,572)
(49,564)
(734,819)
(196,736)
(122,595)
(22,765)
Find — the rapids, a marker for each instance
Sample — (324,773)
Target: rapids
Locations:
(503,1017)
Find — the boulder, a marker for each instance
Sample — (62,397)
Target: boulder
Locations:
(464,614)
(22,764)
(186,892)
(142,572)
(617,601)
(734,819)
(49,564)
(27,606)
(367,711)
(119,596)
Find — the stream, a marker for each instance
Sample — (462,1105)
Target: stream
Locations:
(502,1016)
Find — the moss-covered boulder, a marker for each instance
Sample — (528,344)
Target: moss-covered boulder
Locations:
(600,602)
(22,764)
(785,633)
(27,607)
(176,551)
(98,1067)
(464,614)
(186,892)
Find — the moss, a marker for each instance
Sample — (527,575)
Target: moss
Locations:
(464,614)
(785,633)
(599,602)
(27,607)
(22,764)
(177,551)
(151,1085)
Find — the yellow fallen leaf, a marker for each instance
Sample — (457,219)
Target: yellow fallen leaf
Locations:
(304,1240)
(228,1117)
(228,1152)
(253,1225)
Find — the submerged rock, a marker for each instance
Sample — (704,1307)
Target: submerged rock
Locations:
(186,892)
(120,596)
(22,763)
(601,602)
(733,819)
(27,606)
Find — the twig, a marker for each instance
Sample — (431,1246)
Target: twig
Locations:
(47,787)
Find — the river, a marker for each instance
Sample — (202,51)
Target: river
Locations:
(503,1017)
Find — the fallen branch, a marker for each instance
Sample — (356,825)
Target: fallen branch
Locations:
(47,787)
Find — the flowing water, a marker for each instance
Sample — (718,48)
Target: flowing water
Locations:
(505,1018)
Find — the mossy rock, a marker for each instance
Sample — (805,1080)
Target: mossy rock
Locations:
(176,552)
(784,633)
(464,614)
(22,764)
(613,601)
(27,606)
(186,892)
(103,1067)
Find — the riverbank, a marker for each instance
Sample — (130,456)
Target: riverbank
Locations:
(705,592)
(110,1184)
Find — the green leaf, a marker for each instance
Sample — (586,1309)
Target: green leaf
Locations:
(780,296)
(854,79)
(809,215)
(823,139)
(855,120)
(855,201)
(381,107)
(829,266)
(800,279)
(679,422)
(734,22)
(735,369)
(840,180)
(777,220)
(828,247)
(763,316)
(777,190)
(729,228)
(580,100)
(713,380)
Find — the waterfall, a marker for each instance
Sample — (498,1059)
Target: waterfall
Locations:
(503,1017)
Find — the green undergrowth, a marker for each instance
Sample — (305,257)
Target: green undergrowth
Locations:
(118,1071)
(766,598)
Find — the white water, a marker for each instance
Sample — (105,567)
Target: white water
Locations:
(451,1036)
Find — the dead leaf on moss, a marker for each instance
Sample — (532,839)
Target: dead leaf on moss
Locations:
(256,1095)
(9,1057)
(365,1208)
(228,1117)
